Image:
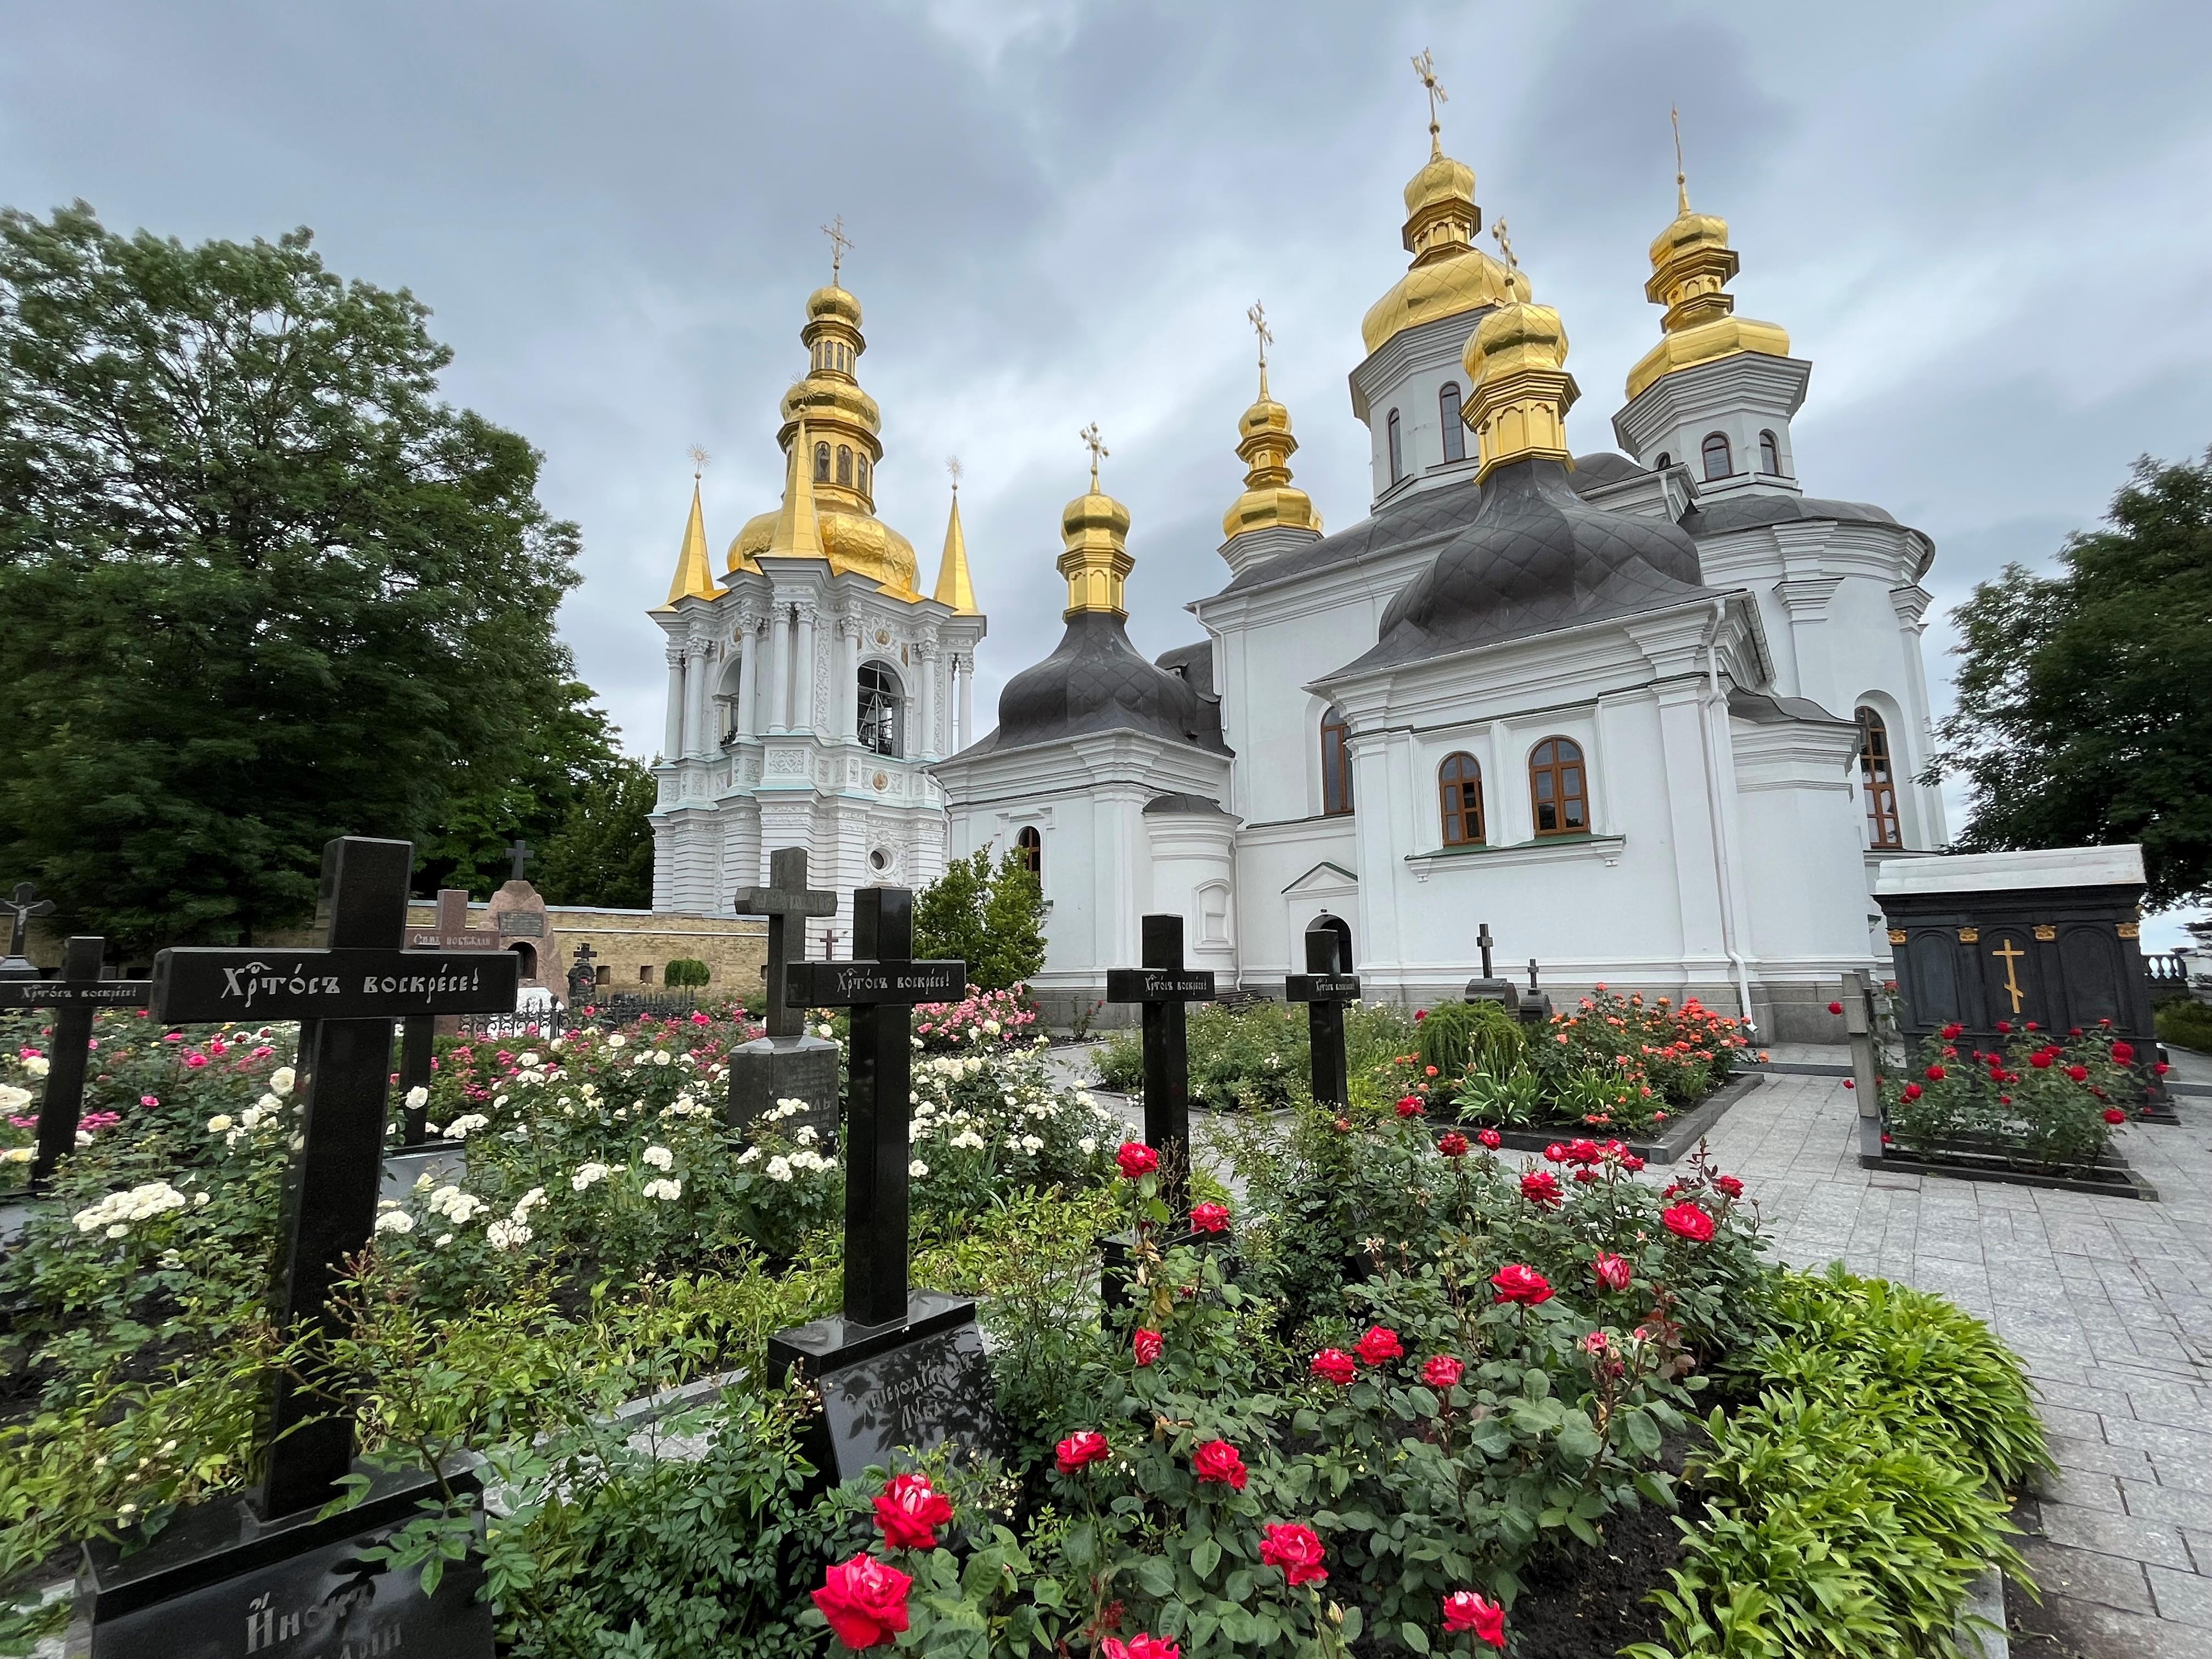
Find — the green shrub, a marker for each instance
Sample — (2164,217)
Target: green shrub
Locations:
(1241,1060)
(1448,1036)
(2187,1025)
(685,973)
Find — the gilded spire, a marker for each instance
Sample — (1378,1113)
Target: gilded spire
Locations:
(695,577)
(798,532)
(1264,444)
(1692,265)
(1095,530)
(1521,390)
(953,586)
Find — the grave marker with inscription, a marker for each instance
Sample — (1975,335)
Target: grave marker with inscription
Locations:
(74,998)
(785,1063)
(1325,988)
(1164,986)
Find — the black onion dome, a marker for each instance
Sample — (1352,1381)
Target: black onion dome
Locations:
(1096,682)
(1534,558)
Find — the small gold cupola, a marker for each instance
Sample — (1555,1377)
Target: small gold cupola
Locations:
(1516,364)
(1095,529)
(1264,444)
(694,571)
(1692,265)
(953,586)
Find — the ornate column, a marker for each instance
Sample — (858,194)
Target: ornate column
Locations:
(964,669)
(849,630)
(748,640)
(778,669)
(925,658)
(696,738)
(802,701)
(671,742)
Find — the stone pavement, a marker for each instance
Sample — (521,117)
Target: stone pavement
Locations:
(2109,1300)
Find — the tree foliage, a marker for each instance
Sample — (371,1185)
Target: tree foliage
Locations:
(600,850)
(258,587)
(989,915)
(2085,698)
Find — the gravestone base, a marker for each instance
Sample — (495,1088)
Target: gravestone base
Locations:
(769,1069)
(220,1581)
(915,1382)
(1117,1252)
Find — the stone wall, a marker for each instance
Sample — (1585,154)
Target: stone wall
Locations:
(628,942)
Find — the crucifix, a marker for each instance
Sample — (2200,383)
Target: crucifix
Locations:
(346,996)
(785,895)
(75,996)
(1096,445)
(1425,65)
(1164,986)
(839,243)
(583,980)
(519,850)
(2011,955)
(26,904)
(1325,988)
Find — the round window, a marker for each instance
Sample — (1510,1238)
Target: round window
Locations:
(879,860)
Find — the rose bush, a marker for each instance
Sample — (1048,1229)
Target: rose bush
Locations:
(2034,1098)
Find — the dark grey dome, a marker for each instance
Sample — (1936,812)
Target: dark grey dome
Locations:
(1096,682)
(1534,558)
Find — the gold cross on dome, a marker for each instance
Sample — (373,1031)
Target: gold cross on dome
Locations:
(839,244)
(1681,179)
(952,465)
(1505,244)
(698,462)
(1096,445)
(1258,318)
(1425,65)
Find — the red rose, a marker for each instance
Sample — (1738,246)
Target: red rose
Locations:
(2004,1025)
(1219,1461)
(1687,1221)
(1613,1271)
(1334,1366)
(1951,1030)
(1137,1160)
(1466,1611)
(1140,1646)
(1556,1153)
(1514,1283)
(1541,1188)
(2079,1073)
(1379,1343)
(1848,1083)
(1442,1372)
(1147,1347)
(1209,1217)
(908,1513)
(1297,1550)
(1344,1126)
(2114,1114)
(1409,1106)
(1582,1151)
(2123,1053)
(1453,1144)
(1493,1140)
(2040,1060)
(1081,1450)
(1586,1175)
(1421,1014)
(1936,1074)
(864,1601)
(1729,1185)
(1835,1007)
(2160,1068)
(1911,1092)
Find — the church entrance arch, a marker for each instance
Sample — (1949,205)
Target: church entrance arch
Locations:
(1342,929)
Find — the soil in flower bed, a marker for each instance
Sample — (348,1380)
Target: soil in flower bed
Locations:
(1586,1602)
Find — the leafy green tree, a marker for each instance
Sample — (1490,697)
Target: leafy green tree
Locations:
(257,585)
(989,915)
(685,972)
(2085,698)
(600,852)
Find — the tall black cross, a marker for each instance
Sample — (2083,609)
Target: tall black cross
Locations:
(75,996)
(1164,984)
(880,985)
(346,997)
(1482,939)
(785,895)
(26,904)
(519,850)
(1325,988)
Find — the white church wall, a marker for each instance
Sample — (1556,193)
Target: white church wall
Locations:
(1192,859)
(1287,874)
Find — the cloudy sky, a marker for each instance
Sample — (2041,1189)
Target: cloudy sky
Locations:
(1984,224)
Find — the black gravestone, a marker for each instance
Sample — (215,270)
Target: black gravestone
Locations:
(1325,988)
(785,1064)
(896,1368)
(1164,986)
(74,998)
(583,980)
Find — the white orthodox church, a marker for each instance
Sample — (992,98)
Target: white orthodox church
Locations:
(1653,716)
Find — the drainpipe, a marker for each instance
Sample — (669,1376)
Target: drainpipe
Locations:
(1714,697)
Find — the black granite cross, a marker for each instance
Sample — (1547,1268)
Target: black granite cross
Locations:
(26,904)
(519,850)
(346,997)
(1325,988)
(880,985)
(1482,939)
(75,996)
(1164,984)
(785,895)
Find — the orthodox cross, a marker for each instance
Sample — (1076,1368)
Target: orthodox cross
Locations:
(785,895)
(346,996)
(26,904)
(1505,244)
(2011,955)
(1483,939)
(1681,179)
(519,850)
(880,985)
(1325,987)
(839,242)
(953,470)
(1425,66)
(698,462)
(1096,445)
(1258,318)
(75,996)
(1164,984)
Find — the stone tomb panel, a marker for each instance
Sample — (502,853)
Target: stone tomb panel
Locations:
(918,1395)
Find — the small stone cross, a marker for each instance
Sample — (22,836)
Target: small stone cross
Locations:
(1482,938)
(519,850)
(785,895)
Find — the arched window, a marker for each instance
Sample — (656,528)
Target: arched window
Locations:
(822,463)
(1455,428)
(1664,461)
(1877,781)
(1397,451)
(844,464)
(1556,788)
(1459,783)
(1031,845)
(860,471)
(1718,463)
(880,702)
(1335,763)
(1769,455)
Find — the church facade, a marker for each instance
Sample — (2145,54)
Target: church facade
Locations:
(1653,716)
(812,682)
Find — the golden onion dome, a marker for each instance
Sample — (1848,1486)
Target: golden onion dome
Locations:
(822,400)
(1093,519)
(833,303)
(1515,337)
(1688,232)
(1692,265)
(1442,181)
(1265,444)
(854,541)
(1450,274)
(1520,391)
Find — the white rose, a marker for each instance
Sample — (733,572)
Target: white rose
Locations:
(417,1098)
(664,1189)
(661,1056)
(442,1240)
(917,1169)
(825,1030)
(118,1230)
(749,1155)
(1086,1146)
(660,1156)
(13,1099)
(779,1169)
(586,1174)
(36,1065)
(1031,1145)
(281,1080)
(219,1123)
(395,1221)
(18,1155)
(506,1235)
(617,1040)
(527,1061)
(804,1134)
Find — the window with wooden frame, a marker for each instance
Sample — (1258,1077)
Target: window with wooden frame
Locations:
(1335,763)
(1459,789)
(1878,782)
(1030,844)
(1556,788)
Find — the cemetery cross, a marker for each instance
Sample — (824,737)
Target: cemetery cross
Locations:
(1483,939)
(785,895)
(519,850)
(582,978)
(1325,988)
(1163,986)
(74,997)
(449,931)
(346,996)
(26,904)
